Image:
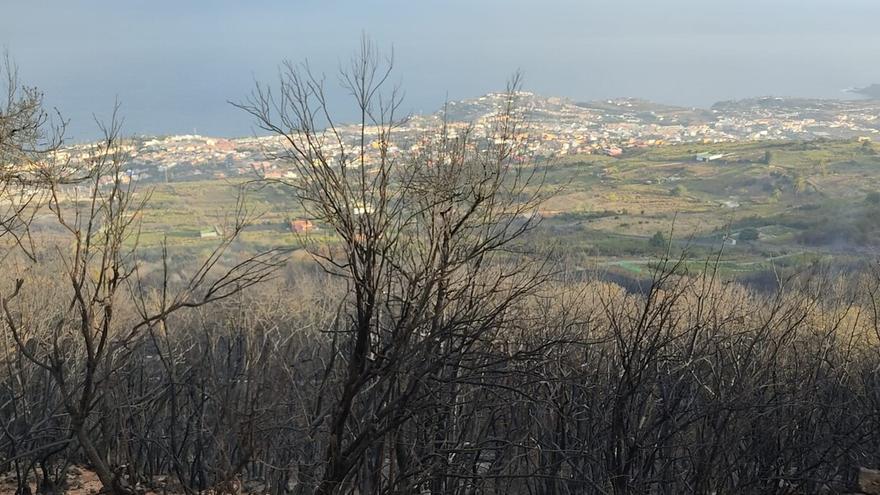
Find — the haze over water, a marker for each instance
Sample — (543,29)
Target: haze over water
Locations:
(174,65)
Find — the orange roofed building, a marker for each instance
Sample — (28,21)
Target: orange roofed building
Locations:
(301,226)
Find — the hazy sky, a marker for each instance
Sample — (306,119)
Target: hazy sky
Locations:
(174,64)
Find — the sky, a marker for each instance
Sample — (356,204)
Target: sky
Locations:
(175,65)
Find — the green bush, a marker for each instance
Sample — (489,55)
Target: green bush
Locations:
(749,234)
(658,240)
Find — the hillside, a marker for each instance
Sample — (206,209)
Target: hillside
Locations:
(783,182)
(872,91)
(773,204)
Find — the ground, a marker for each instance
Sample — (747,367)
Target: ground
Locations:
(81,481)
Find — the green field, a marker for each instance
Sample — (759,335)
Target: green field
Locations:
(803,201)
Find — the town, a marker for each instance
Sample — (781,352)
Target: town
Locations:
(553,127)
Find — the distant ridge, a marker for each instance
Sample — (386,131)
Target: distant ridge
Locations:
(872,91)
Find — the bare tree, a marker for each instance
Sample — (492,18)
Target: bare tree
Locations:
(28,139)
(426,248)
(84,335)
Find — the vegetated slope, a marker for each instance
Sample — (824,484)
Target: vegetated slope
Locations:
(799,201)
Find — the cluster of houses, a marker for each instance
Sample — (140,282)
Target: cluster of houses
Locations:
(554,127)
